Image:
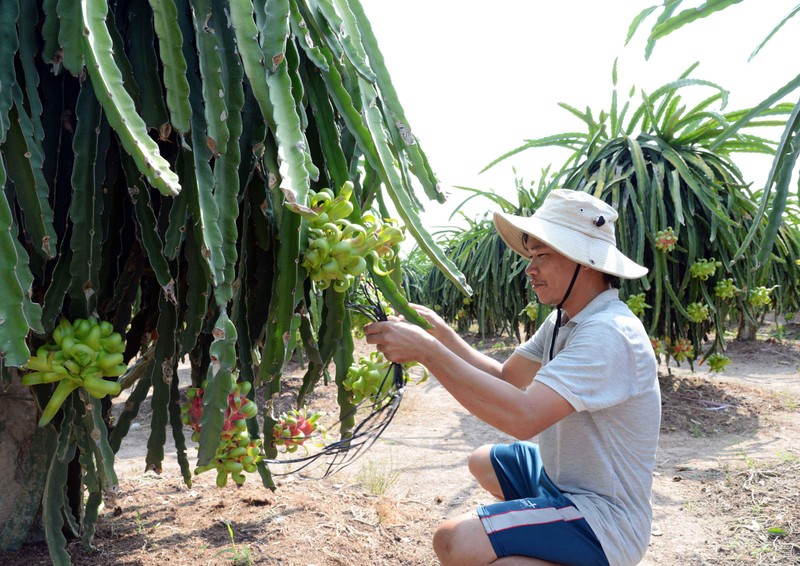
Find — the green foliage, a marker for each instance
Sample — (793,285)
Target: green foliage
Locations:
(238,555)
(148,152)
(774,199)
(679,202)
(415,269)
(679,195)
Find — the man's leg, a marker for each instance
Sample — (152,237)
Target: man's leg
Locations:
(462,541)
(533,519)
(480,466)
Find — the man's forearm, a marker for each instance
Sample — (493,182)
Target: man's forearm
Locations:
(458,346)
(480,392)
(498,402)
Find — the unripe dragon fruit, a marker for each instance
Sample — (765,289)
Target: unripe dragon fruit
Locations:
(666,239)
(193,410)
(295,427)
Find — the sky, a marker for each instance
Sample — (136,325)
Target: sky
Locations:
(476,78)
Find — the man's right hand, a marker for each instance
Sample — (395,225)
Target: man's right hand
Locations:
(439,327)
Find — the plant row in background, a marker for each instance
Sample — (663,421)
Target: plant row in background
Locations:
(502,299)
(685,212)
(166,168)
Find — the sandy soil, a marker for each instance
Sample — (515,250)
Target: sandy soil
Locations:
(726,491)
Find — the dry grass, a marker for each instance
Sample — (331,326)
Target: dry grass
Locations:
(761,503)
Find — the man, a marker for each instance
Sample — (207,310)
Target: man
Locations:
(585,385)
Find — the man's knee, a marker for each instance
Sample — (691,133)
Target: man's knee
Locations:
(480,461)
(444,541)
(462,541)
(480,466)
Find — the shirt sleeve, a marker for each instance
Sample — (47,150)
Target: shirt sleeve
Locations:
(533,348)
(593,371)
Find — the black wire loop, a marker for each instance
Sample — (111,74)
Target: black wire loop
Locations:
(380,411)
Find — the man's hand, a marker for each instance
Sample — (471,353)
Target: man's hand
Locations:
(439,327)
(399,341)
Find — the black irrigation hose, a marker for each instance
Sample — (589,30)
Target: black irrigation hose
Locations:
(345,451)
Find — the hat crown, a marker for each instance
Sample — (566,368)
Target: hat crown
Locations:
(576,225)
(581,212)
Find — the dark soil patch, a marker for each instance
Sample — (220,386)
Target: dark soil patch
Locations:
(704,407)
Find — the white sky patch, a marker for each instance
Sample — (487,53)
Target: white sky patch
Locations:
(476,79)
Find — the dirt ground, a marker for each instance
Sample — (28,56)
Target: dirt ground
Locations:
(726,487)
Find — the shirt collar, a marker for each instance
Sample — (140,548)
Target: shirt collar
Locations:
(596,305)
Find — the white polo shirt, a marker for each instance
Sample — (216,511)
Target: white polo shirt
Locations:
(602,456)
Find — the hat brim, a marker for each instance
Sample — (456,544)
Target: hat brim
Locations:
(591,252)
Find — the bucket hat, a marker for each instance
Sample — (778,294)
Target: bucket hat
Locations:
(576,225)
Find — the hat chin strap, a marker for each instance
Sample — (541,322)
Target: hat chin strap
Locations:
(558,309)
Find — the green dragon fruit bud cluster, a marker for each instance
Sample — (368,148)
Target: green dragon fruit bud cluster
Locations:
(337,248)
(237,453)
(666,239)
(682,350)
(659,347)
(637,304)
(368,378)
(531,310)
(760,297)
(704,268)
(80,354)
(294,428)
(725,289)
(717,362)
(698,312)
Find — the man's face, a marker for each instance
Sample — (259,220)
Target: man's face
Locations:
(548,271)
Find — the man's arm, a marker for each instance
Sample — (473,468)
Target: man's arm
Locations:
(451,340)
(516,370)
(520,371)
(499,403)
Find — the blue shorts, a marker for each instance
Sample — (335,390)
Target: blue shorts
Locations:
(536,519)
